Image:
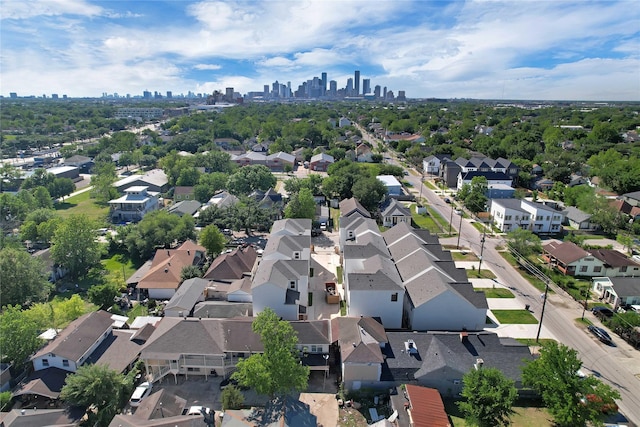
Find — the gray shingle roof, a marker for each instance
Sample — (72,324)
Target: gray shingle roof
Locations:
(187,294)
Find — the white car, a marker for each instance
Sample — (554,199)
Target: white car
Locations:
(142,391)
(197,410)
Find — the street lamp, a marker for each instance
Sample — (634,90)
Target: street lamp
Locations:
(326,370)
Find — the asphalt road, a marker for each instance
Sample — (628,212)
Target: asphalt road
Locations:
(618,366)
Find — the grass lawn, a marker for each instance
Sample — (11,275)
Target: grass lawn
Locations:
(525,415)
(114,265)
(532,341)
(464,256)
(518,317)
(339,274)
(137,310)
(335,216)
(82,204)
(424,221)
(431,185)
(484,274)
(537,283)
(438,218)
(496,292)
(583,322)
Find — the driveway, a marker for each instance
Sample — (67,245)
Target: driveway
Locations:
(324,261)
(324,406)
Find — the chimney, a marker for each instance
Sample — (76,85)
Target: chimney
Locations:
(464,336)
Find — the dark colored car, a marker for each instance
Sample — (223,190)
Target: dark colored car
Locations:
(230,381)
(601,334)
(447,200)
(602,312)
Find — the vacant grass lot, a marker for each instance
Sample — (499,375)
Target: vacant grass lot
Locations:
(537,283)
(464,256)
(496,292)
(82,204)
(525,415)
(518,317)
(424,221)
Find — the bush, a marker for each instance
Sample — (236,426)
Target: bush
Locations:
(232,398)
(5,401)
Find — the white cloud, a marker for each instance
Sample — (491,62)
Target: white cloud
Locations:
(211,67)
(21,9)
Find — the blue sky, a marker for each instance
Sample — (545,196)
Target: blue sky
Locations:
(542,49)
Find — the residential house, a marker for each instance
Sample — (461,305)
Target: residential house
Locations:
(361,341)
(54,270)
(185,207)
(134,205)
(509,214)
(395,213)
(184,300)
(270,199)
(493,178)
(577,180)
(616,263)
(500,191)
(372,285)
(281,280)
(281,161)
(449,171)
(350,207)
(181,193)
(425,407)
(364,154)
(632,198)
(622,206)
(250,158)
(431,164)
(83,163)
(440,359)
(173,349)
(71,348)
(343,122)
(578,219)
(163,277)
(59,417)
(155,180)
(394,187)
(320,162)
(159,409)
(232,265)
(571,260)
(221,199)
(617,291)
(437,295)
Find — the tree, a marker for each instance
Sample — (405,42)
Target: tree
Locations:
(301,205)
(277,370)
(189,272)
(104,174)
(476,199)
(572,400)
(369,191)
(524,241)
(95,385)
(489,396)
(22,277)
(250,178)
(42,198)
(158,229)
(232,398)
(61,187)
(103,295)
(212,239)
(18,336)
(75,245)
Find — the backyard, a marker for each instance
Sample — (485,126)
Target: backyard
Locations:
(82,204)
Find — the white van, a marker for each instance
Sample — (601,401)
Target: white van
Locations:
(142,391)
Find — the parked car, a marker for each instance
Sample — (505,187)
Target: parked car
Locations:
(197,410)
(447,200)
(601,334)
(230,381)
(142,391)
(458,211)
(602,312)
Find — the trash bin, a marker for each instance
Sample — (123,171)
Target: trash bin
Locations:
(526,307)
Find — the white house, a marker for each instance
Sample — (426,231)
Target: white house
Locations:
(281,280)
(509,214)
(617,291)
(431,164)
(394,213)
(134,205)
(73,346)
(344,122)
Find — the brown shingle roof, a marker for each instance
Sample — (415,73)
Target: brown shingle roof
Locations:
(613,258)
(167,265)
(567,252)
(232,265)
(79,336)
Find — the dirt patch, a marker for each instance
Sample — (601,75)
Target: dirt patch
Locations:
(324,406)
(351,417)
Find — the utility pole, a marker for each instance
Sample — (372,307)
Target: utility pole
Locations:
(459,231)
(450,219)
(544,304)
(484,234)
(586,298)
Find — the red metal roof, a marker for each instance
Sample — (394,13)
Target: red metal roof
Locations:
(427,408)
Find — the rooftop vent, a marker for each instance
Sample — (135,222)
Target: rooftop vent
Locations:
(479,363)
(410,347)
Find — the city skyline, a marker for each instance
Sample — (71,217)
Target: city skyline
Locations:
(475,49)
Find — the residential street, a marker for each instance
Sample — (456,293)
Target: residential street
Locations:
(619,366)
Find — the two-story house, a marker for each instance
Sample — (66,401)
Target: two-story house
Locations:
(509,214)
(134,205)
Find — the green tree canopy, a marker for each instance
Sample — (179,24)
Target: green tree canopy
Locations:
(18,336)
(95,385)
(212,239)
(103,295)
(369,191)
(301,205)
(489,396)
(250,178)
(158,229)
(277,370)
(75,245)
(524,241)
(572,400)
(22,277)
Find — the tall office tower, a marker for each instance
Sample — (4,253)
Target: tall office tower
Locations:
(54,96)
(275,89)
(333,88)
(169,94)
(376,91)
(284,93)
(384,93)
(289,89)
(265,91)
(228,93)
(366,86)
(324,84)
(13,95)
(349,88)
(356,87)
(401,96)
(146,94)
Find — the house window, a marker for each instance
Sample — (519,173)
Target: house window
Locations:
(394,297)
(65,363)
(316,348)
(583,269)
(597,269)
(623,269)
(193,369)
(292,284)
(508,218)
(45,362)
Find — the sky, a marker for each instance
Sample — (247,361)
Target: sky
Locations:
(482,49)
